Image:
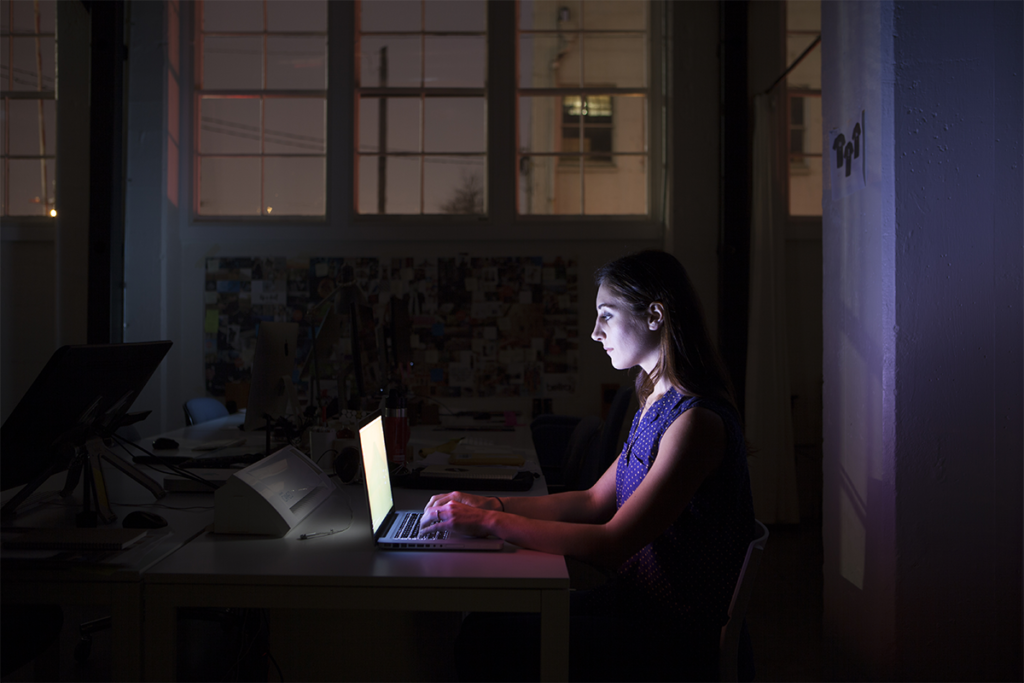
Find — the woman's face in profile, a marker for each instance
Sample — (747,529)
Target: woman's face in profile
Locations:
(626,339)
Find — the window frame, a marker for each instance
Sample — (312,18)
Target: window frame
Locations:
(20,227)
(789,93)
(341,220)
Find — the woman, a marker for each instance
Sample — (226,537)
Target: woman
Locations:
(673,517)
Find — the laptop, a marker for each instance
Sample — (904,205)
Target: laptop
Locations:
(399,530)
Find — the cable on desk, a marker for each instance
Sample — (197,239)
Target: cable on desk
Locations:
(329,450)
(351,517)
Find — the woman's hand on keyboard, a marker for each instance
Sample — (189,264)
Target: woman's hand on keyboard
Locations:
(448,513)
(483,502)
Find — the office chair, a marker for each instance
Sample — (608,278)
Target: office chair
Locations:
(574,452)
(203,409)
(728,649)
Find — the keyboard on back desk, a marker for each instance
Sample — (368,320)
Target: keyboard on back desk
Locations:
(211,462)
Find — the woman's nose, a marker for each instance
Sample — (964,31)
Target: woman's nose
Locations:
(597,335)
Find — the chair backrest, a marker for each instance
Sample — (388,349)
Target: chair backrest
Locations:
(606,450)
(203,409)
(728,649)
(580,451)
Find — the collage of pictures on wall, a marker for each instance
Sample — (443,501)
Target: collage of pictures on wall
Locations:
(460,326)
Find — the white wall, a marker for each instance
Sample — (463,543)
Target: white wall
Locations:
(923,345)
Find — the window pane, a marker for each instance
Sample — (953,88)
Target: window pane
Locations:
(5,67)
(402,124)
(229,187)
(26,70)
(616,188)
(232,15)
(295,125)
(803,15)
(401,187)
(454,124)
(390,15)
(548,15)
(25,16)
(540,125)
(287,15)
(805,187)
(805,125)
(27,197)
(546,125)
(454,185)
(294,186)
(807,73)
(615,60)
(229,125)
(296,63)
(455,61)
(24,127)
(614,15)
(234,63)
(367,174)
(400,56)
(630,132)
(455,15)
(539,63)
(549,186)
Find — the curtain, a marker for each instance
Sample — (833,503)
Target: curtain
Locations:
(769,418)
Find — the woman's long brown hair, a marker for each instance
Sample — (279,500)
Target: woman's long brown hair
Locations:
(688,356)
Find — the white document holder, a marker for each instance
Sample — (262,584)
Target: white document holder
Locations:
(271,496)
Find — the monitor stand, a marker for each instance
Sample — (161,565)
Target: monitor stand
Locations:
(86,464)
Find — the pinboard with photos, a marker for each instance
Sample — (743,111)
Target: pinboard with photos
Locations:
(458,326)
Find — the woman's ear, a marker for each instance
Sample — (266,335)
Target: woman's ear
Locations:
(655,316)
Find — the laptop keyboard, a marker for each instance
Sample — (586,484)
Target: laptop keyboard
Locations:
(410,528)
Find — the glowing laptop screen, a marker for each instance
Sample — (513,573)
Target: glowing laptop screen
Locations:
(375,470)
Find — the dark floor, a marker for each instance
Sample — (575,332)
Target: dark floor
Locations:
(784,616)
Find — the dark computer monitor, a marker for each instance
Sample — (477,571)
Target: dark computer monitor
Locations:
(83,392)
(271,389)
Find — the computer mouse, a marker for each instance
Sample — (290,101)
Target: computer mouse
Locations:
(141,519)
(165,444)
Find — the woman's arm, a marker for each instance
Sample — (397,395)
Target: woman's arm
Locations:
(690,450)
(593,506)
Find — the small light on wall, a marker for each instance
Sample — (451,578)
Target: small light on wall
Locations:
(269,209)
(53,213)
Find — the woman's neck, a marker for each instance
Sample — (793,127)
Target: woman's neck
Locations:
(660,389)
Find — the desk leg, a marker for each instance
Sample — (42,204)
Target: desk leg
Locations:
(161,638)
(126,632)
(554,635)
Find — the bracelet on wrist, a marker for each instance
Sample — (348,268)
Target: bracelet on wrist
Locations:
(499,502)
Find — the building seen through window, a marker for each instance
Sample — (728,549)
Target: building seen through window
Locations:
(420,107)
(28,112)
(583,96)
(803,90)
(261,100)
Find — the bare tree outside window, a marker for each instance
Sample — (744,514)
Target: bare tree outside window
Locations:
(468,198)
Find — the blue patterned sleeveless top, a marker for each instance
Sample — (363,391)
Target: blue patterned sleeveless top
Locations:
(690,570)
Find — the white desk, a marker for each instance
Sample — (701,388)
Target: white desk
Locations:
(345,571)
(116,580)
